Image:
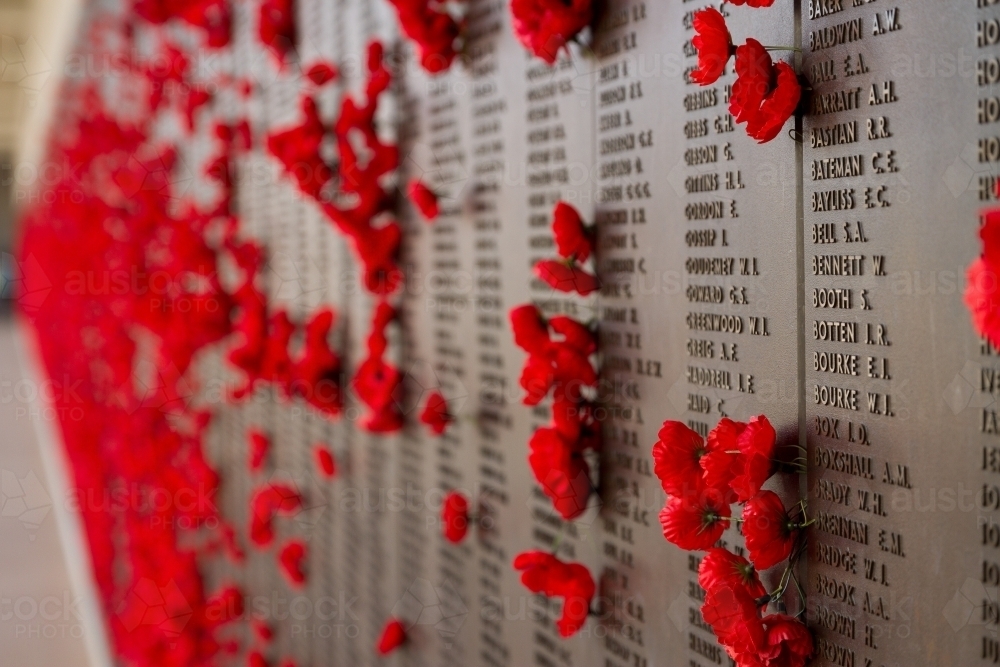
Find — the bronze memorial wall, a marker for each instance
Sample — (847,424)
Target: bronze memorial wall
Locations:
(816,279)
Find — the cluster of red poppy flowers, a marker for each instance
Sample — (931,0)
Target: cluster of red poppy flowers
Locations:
(116,262)
(765,94)
(982,289)
(575,244)
(545,26)
(120,266)
(703,478)
(559,365)
(432,28)
(276,27)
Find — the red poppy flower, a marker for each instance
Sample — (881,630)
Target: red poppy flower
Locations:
(530,330)
(788,642)
(377,249)
(375,382)
(543,573)
(225,606)
(276,366)
(435,413)
(433,30)
(566,277)
(575,421)
(574,335)
(723,448)
(322,72)
(677,459)
(544,26)
(298,150)
(269,501)
(455,517)
(696,521)
(573,240)
(257,659)
(764,95)
(753,3)
(393,636)
(779,105)
(572,368)
(982,291)
(721,567)
(753,80)
(536,378)
(325,461)
(769,531)
(982,298)
(386,420)
(735,618)
(755,463)
(260,445)
(317,371)
(561,471)
(714,45)
(424,199)
(292,558)
(276,26)
(262,630)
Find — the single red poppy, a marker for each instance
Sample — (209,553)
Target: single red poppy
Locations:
(573,240)
(435,413)
(714,45)
(566,277)
(769,531)
(545,26)
(696,521)
(325,461)
(292,559)
(424,199)
(260,445)
(788,642)
(543,573)
(455,517)
(322,72)
(393,636)
(721,567)
(677,458)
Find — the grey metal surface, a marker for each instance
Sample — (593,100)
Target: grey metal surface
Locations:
(896,428)
(905,461)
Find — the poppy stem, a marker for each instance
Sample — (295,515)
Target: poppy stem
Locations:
(783,48)
(556,543)
(802,595)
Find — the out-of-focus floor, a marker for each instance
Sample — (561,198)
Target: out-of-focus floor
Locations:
(47,616)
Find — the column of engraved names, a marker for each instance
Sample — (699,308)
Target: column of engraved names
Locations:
(851,168)
(493,420)
(718,287)
(448,325)
(624,192)
(413,535)
(987,38)
(548,94)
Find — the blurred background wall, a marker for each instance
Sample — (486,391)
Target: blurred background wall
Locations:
(35,36)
